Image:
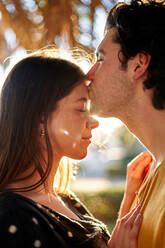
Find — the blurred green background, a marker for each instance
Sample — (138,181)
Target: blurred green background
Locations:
(104,205)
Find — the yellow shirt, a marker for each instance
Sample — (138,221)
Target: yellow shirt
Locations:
(151,196)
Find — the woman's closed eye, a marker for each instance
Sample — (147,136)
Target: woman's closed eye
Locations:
(84,106)
(83,110)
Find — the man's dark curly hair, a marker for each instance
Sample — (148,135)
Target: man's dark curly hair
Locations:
(141,28)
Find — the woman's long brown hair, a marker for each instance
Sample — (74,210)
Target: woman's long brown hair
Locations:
(31,90)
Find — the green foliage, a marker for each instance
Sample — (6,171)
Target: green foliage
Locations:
(103,205)
(111,226)
(116,170)
(132,147)
(119,169)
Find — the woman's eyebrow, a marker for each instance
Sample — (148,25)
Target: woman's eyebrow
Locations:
(82,99)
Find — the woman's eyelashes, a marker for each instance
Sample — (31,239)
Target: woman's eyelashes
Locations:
(82,110)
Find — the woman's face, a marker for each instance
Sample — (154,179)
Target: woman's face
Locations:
(70,125)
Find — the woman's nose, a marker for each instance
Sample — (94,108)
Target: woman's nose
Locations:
(91,71)
(92,123)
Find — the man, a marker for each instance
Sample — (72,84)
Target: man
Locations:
(128,82)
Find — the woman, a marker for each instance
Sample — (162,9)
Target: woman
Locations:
(44,116)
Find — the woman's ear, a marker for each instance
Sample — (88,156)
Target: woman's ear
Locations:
(141,65)
(42,119)
(41,126)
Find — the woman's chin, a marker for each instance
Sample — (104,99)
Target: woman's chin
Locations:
(83,156)
(79,156)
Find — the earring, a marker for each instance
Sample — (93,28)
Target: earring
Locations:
(42,132)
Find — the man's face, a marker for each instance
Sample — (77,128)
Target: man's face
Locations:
(111,89)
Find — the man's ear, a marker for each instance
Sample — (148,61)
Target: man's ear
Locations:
(141,65)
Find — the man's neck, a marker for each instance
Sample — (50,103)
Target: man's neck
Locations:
(148,125)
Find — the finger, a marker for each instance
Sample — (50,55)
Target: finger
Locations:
(140,166)
(135,231)
(141,157)
(115,230)
(137,222)
(146,169)
(145,160)
(139,160)
(114,236)
(130,233)
(131,230)
(121,221)
(123,231)
(132,214)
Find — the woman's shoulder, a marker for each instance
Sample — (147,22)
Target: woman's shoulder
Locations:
(10,202)
(14,203)
(24,223)
(15,208)
(23,209)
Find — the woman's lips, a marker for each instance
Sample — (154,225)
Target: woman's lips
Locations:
(87,139)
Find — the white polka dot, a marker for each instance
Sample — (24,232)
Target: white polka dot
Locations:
(39,205)
(70,234)
(37,243)
(12,229)
(35,220)
(78,205)
(51,226)
(88,235)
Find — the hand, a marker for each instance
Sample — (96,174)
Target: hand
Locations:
(136,172)
(125,234)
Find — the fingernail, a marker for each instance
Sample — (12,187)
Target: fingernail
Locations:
(146,169)
(147,158)
(138,205)
(138,219)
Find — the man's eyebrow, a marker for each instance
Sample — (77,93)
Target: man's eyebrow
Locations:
(82,99)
